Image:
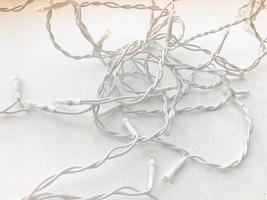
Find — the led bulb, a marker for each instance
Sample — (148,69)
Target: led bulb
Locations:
(68,102)
(17,91)
(130,128)
(56,5)
(151,173)
(104,37)
(169,177)
(171,117)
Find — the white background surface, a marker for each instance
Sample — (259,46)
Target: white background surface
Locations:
(36,145)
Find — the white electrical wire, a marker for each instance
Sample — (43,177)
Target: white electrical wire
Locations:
(17,8)
(147,61)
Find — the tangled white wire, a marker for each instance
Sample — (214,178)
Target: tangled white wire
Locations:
(138,59)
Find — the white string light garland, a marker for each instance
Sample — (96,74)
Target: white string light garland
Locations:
(138,60)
